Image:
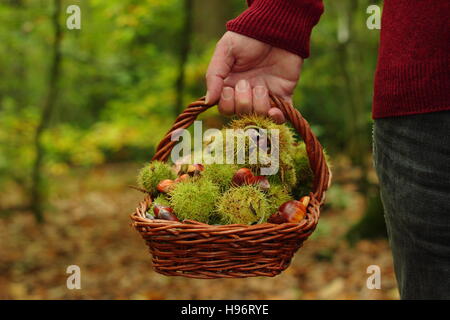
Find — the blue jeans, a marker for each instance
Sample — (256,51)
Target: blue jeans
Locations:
(412,160)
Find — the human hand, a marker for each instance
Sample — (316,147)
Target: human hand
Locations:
(243,70)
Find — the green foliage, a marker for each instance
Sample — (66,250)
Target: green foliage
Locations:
(372,224)
(113,93)
(16,142)
(154,173)
(243,205)
(194,199)
(336,98)
(338,198)
(220,174)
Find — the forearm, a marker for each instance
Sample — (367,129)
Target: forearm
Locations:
(286,24)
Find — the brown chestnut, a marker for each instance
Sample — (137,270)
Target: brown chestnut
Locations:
(261,181)
(191,169)
(305,200)
(292,211)
(181,178)
(157,208)
(242,176)
(167,215)
(199,167)
(181,169)
(276,218)
(149,216)
(165,185)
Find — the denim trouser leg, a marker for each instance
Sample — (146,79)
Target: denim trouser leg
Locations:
(412,160)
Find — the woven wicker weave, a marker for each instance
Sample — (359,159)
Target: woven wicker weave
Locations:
(197,250)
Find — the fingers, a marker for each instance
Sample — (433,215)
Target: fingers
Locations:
(226,103)
(218,69)
(245,100)
(238,100)
(243,97)
(276,115)
(261,103)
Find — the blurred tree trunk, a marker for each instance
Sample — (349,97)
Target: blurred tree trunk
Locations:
(21,91)
(186,33)
(16,87)
(204,21)
(349,54)
(210,18)
(47,109)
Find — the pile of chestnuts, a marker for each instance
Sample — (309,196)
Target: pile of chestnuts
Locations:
(219,194)
(292,211)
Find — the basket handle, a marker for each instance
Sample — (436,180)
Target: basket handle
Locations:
(322,174)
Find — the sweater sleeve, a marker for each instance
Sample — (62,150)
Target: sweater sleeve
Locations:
(285,24)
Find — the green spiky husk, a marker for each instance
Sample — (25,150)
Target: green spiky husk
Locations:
(302,171)
(286,144)
(242,205)
(286,172)
(152,174)
(301,164)
(220,174)
(194,199)
(286,134)
(161,199)
(276,196)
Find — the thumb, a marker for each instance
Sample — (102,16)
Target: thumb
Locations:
(218,69)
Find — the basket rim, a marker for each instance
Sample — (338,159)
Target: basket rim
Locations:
(306,224)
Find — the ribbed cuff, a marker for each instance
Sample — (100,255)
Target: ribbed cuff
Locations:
(285,24)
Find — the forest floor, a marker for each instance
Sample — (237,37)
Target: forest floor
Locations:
(88,225)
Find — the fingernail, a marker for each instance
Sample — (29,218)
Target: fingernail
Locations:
(207,97)
(260,91)
(242,85)
(227,93)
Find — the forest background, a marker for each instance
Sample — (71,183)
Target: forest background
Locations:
(81,110)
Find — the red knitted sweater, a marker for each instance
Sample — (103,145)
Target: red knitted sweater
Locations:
(413,74)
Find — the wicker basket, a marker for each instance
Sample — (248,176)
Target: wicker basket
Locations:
(197,250)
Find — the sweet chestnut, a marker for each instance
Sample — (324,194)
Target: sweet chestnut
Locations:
(165,185)
(167,215)
(157,208)
(181,178)
(242,176)
(292,211)
(260,181)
